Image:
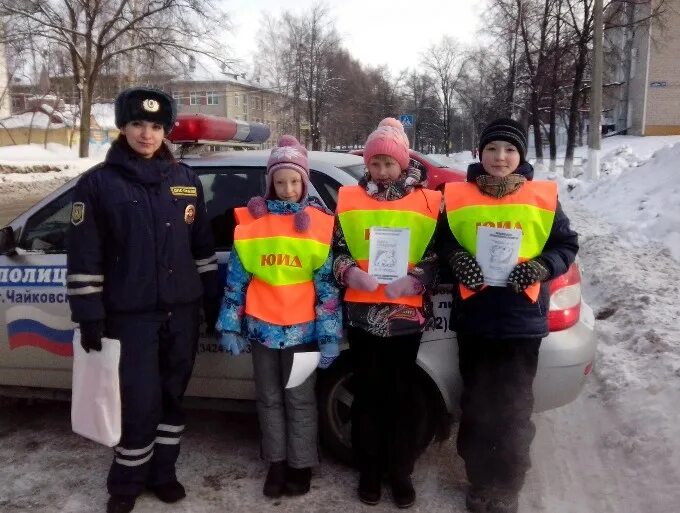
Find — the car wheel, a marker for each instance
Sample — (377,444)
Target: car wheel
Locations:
(335,396)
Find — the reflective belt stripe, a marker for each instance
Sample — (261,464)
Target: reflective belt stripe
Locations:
(204,261)
(85,277)
(170,428)
(134,452)
(167,440)
(134,463)
(206,268)
(84,290)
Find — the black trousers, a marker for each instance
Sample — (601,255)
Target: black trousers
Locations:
(157,356)
(496,430)
(383,424)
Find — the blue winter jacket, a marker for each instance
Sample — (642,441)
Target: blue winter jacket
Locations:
(140,240)
(326,329)
(498,312)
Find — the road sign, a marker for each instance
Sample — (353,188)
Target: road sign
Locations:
(408,120)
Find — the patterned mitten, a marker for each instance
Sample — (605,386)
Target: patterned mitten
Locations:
(358,279)
(233,343)
(405,286)
(466,270)
(527,273)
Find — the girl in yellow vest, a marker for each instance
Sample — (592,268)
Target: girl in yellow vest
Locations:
(385,310)
(282,300)
(499,328)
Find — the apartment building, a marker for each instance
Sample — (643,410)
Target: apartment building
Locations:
(233,96)
(642,69)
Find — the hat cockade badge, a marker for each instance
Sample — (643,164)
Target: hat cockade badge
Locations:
(151,105)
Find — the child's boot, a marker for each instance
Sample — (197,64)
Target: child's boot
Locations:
(276,480)
(503,502)
(370,483)
(403,493)
(298,480)
(477,499)
(169,492)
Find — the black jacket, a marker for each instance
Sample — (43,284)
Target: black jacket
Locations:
(140,240)
(497,312)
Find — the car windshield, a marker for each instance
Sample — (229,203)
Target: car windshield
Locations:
(356,170)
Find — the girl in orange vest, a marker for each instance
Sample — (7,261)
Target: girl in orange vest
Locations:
(269,307)
(384,333)
(499,329)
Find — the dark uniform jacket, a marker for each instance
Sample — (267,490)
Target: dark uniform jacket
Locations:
(140,240)
(498,312)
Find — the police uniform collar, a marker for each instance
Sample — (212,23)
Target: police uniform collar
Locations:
(136,168)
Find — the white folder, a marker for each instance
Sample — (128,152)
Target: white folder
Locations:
(95,398)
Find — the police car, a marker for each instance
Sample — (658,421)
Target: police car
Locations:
(36,330)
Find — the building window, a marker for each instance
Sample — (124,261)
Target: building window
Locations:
(236,99)
(194,98)
(177,96)
(213,98)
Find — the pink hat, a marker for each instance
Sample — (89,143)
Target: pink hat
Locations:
(388,139)
(289,154)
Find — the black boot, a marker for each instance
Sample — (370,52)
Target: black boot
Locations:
(298,480)
(276,480)
(370,484)
(403,493)
(477,499)
(120,504)
(503,502)
(169,492)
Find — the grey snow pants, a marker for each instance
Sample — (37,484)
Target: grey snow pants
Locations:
(288,416)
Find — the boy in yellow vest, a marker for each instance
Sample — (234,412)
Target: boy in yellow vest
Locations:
(499,328)
(281,299)
(385,319)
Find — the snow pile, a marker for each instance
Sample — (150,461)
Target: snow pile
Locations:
(629,226)
(38,170)
(459,160)
(639,193)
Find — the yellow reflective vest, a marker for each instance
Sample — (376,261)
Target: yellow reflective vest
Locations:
(282,262)
(530,209)
(358,212)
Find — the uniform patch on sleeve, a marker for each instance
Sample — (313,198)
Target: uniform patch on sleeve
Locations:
(183,190)
(77,213)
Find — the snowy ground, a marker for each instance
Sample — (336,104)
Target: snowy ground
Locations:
(616,449)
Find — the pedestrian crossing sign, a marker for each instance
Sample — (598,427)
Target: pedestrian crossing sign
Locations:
(407,120)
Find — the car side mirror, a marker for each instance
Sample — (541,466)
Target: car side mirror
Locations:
(8,245)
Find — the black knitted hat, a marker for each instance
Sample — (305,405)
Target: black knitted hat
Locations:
(508,130)
(145,104)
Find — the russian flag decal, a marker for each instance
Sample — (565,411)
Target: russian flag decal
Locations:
(29,326)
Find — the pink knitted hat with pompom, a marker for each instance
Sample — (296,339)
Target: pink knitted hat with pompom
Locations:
(388,139)
(289,154)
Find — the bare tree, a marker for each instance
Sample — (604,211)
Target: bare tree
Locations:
(446,63)
(96,32)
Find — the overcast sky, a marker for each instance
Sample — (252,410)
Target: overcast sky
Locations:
(376,32)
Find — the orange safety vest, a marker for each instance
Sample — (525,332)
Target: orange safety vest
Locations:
(282,262)
(531,209)
(358,212)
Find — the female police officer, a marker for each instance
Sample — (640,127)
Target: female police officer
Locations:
(140,257)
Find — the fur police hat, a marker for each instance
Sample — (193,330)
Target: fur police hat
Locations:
(145,104)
